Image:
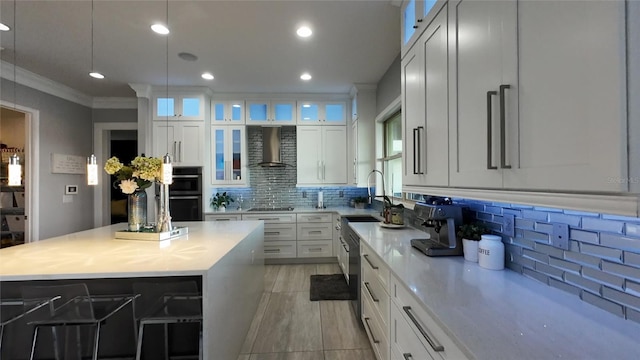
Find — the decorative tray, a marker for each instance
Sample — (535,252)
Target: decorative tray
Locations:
(152,235)
(391,226)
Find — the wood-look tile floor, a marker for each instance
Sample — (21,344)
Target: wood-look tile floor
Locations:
(289,326)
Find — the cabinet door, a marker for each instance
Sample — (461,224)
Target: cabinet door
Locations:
(179,107)
(309,151)
(257,112)
(335,113)
(335,155)
(191,107)
(308,113)
(572,97)
(227,112)
(218,155)
(191,145)
(283,112)
(413,113)
(228,155)
(164,140)
(484,36)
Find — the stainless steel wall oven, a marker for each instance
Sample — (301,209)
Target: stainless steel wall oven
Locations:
(185,194)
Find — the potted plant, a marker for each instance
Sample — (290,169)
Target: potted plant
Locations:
(360,202)
(471,233)
(220,202)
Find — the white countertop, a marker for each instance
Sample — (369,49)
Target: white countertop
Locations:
(341,210)
(502,314)
(97,254)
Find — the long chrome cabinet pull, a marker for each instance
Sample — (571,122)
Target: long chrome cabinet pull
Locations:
(420,172)
(375,299)
(489,132)
(433,342)
(366,257)
(175,145)
(375,341)
(503,135)
(415,143)
(407,356)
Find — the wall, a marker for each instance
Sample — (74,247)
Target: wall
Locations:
(65,128)
(115,115)
(388,86)
(276,187)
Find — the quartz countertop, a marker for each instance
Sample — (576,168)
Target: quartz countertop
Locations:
(502,314)
(96,253)
(341,210)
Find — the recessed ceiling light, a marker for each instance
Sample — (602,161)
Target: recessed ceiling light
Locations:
(305,77)
(4,27)
(160,29)
(207,76)
(304,31)
(96,75)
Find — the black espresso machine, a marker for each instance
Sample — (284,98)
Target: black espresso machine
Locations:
(441,221)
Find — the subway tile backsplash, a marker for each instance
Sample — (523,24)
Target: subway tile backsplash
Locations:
(602,265)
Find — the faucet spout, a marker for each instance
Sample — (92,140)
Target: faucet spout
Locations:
(370,198)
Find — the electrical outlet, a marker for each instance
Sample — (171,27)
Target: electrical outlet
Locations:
(304,194)
(341,193)
(560,236)
(508,225)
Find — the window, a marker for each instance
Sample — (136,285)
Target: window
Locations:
(392,160)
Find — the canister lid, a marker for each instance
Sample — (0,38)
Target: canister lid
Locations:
(491,237)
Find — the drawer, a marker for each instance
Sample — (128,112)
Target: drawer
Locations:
(377,336)
(371,261)
(430,332)
(313,217)
(373,289)
(279,232)
(405,344)
(279,249)
(271,217)
(315,231)
(230,217)
(315,248)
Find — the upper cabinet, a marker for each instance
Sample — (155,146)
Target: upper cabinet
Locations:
(322,113)
(179,106)
(321,155)
(227,112)
(415,15)
(183,140)
(271,112)
(229,156)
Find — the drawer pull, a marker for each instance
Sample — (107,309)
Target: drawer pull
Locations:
(375,341)
(407,356)
(267,219)
(366,257)
(271,250)
(272,232)
(433,342)
(315,249)
(315,232)
(375,299)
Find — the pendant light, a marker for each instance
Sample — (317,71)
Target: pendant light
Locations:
(92,161)
(15,170)
(166,171)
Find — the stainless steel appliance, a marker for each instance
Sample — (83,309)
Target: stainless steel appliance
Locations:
(185,194)
(441,222)
(352,240)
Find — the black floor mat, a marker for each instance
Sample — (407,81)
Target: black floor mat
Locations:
(329,287)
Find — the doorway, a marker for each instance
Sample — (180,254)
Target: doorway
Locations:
(124,146)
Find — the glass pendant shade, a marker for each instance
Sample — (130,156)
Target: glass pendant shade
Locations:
(92,170)
(15,171)
(166,171)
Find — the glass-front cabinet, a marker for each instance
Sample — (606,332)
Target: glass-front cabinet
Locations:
(179,107)
(322,112)
(414,20)
(227,112)
(229,156)
(271,112)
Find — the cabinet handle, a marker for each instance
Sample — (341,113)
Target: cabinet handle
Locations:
(366,257)
(315,232)
(415,143)
(407,356)
(375,299)
(366,322)
(355,170)
(503,135)
(180,150)
(175,146)
(272,232)
(420,172)
(324,171)
(489,132)
(345,247)
(433,342)
(318,171)
(415,26)
(221,219)
(271,250)
(315,249)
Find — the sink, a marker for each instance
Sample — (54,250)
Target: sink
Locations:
(361,218)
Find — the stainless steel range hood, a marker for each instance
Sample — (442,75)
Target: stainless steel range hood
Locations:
(271,152)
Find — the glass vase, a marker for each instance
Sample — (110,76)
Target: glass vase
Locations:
(137,206)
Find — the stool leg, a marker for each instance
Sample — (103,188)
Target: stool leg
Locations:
(139,347)
(33,343)
(166,341)
(96,342)
(1,336)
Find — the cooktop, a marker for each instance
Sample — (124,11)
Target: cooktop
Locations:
(271,209)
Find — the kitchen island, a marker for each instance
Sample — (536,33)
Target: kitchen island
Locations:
(225,258)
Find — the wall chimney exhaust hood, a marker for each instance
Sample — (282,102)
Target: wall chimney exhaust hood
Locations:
(271,155)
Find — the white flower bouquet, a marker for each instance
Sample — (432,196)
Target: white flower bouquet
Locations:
(140,174)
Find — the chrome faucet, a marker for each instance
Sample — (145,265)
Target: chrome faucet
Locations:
(370,198)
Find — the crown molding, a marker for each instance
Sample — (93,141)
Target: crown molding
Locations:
(142,90)
(115,103)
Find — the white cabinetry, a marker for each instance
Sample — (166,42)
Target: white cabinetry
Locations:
(279,234)
(414,331)
(179,106)
(374,293)
(425,113)
(228,155)
(227,112)
(222,217)
(361,158)
(183,140)
(322,113)
(322,155)
(315,235)
(271,112)
(414,19)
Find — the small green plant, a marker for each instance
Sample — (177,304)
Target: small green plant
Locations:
(472,231)
(220,200)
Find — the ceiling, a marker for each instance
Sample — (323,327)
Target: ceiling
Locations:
(249,46)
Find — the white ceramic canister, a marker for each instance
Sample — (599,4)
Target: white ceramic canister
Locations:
(491,252)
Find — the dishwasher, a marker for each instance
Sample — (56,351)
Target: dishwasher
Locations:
(352,240)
